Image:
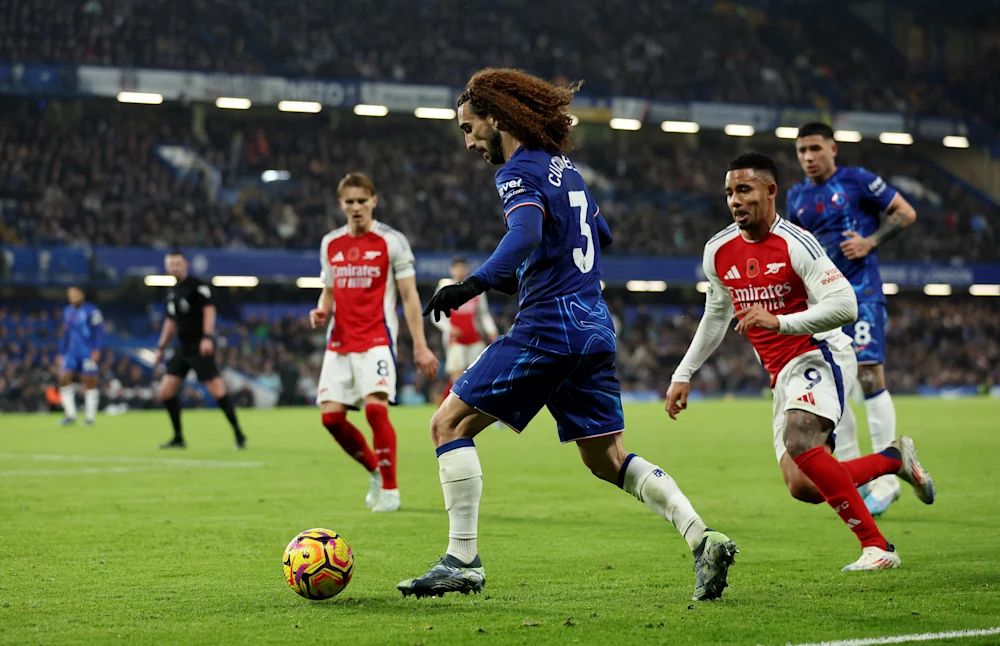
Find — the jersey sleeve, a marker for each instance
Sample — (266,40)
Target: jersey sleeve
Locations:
(873,188)
(832,302)
(518,188)
(324,267)
(205,294)
(400,255)
(713,325)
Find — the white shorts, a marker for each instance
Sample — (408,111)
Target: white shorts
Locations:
(818,382)
(347,378)
(460,356)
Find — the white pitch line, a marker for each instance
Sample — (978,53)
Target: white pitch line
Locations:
(82,471)
(180,462)
(902,639)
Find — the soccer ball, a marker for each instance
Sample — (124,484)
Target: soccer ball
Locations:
(318,564)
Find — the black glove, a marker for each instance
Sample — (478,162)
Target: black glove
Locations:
(507,286)
(451,297)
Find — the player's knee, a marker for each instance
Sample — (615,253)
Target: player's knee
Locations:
(443,429)
(334,419)
(797,443)
(871,379)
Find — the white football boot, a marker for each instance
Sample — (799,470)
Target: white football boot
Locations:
(874,558)
(913,472)
(387,501)
(374,490)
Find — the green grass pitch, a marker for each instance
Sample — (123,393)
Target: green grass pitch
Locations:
(103,537)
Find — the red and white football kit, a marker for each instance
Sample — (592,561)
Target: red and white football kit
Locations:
(810,360)
(362,272)
(465,330)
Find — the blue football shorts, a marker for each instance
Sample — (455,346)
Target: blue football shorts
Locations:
(512,382)
(79,363)
(868,332)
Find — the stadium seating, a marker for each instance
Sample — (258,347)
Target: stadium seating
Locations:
(83,174)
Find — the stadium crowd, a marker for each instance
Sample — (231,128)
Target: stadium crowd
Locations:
(75,174)
(933,344)
(779,60)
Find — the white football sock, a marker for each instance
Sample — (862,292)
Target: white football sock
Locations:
(67,395)
(652,486)
(91,397)
(881,420)
(846,435)
(462,483)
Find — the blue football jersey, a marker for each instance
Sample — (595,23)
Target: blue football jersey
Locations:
(562,309)
(851,200)
(82,330)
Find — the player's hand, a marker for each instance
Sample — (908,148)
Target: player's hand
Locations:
(756,316)
(426,362)
(452,297)
(856,246)
(318,317)
(677,398)
(157,357)
(207,347)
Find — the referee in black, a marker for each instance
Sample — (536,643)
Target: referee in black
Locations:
(191,316)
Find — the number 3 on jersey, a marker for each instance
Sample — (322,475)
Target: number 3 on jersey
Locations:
(584,258)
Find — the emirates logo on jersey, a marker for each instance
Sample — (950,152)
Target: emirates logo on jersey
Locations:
(355,276)
(772,296)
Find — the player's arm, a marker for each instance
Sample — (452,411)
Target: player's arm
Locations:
(319,315)
(833,303)
(208,316)
(166,333)
(899,214)
(426,362)
(711,330)
(524,233)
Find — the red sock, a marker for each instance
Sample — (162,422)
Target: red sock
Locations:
(385,442)
(867,468)
(350,439)
(834,481)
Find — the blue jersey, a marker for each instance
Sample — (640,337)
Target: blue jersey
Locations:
(851,200)
(82,330)
(562,309)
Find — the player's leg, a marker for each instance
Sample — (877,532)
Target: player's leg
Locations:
(67,392)
(509,383)
(208,374)
(91,396)
(384,442)
(808,376)
(587,408)
(453,428)
(170,387)
(335,392)
(374,374)
(869,341)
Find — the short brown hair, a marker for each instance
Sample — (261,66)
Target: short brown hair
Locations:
(533,110)
(356,180)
